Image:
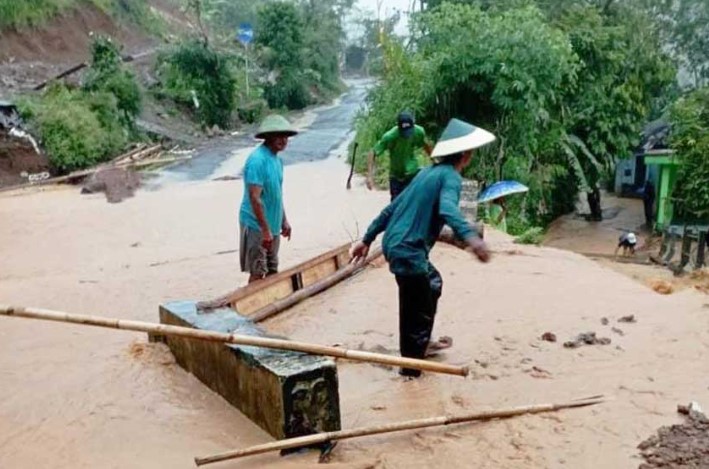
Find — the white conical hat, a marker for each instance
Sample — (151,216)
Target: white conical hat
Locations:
(460,136)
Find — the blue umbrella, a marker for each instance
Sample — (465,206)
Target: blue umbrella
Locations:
(501,189)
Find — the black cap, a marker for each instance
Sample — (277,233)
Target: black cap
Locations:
(405,122)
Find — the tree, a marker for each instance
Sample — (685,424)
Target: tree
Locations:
(690,139)
(280,35)
(565,90)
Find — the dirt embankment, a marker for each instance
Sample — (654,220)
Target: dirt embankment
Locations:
(31,55)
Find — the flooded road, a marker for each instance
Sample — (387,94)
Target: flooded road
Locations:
(323,129)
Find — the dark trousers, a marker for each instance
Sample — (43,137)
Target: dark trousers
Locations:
(418,302)
(397,186)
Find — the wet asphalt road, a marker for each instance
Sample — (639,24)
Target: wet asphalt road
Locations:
(331,127)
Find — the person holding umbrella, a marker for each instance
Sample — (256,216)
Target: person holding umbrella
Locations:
(412,224)
(497,194)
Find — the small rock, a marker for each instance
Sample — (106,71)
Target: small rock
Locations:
(617,331)
(378,407)
(549,337)
(604,321)
(629,318)
(587,338)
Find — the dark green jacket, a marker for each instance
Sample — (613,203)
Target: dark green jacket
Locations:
(413,222)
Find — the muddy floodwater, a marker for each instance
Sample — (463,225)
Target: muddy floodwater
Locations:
(77,397)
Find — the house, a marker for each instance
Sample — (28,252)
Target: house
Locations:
(665,163)
(632,173)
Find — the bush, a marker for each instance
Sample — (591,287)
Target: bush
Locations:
(14,13)
(534,235)
(690,139)
(193,67)
(252,112)
(77,129)
(107,75)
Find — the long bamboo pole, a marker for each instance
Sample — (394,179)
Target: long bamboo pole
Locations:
(211,336)
(309,440)
(323,284)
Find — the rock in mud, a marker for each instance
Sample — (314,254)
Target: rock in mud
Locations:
(117,183)
(587,338)
(630,318)
(549,337)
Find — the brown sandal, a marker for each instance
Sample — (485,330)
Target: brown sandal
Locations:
(437,346)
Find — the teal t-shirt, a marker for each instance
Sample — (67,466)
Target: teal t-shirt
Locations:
(402,151)
(264,169)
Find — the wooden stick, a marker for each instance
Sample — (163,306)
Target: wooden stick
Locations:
(309,440)
(323,284)
(211,336)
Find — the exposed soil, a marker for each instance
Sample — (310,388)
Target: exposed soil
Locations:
(683,446)
(17,156)
(31,55)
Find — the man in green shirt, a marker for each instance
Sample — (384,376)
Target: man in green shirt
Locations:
(401,142)
(412,224)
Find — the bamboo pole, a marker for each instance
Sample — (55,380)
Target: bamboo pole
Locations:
(323,284)
(309,440)
(211,336)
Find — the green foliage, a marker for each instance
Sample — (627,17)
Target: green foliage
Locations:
(564,89)
(78,129)
(225,16)
(192,69)
(280,35)
(300,44)
(23,13)
(323,39)
(107,74)
(534,235)
(14,13)
(690,140)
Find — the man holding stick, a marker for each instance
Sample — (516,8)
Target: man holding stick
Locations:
(412,224)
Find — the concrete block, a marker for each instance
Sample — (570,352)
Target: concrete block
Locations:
(286,393)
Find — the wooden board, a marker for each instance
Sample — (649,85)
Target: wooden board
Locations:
(251,298)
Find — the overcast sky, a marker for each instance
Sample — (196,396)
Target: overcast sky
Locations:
(388,9)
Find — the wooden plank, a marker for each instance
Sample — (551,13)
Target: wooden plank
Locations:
(264,296)
(319,271)
(255,288)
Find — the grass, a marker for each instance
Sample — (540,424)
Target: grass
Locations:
(23,13)
(27,13)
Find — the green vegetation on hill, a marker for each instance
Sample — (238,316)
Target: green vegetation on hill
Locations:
(85,126)
(26,13)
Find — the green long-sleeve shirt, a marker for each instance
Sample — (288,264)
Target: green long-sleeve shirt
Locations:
(413,222)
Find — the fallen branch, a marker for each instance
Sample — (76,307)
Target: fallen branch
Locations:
(210,336)
(305,441)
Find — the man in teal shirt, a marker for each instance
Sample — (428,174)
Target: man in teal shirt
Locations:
(262,216)
(412,224)
(401,142)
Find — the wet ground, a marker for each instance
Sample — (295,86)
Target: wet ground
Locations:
(323,129)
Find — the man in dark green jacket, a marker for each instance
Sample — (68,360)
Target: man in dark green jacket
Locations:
(412,224)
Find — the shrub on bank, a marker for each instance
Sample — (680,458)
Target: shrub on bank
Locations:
(196,75)
(77,129)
